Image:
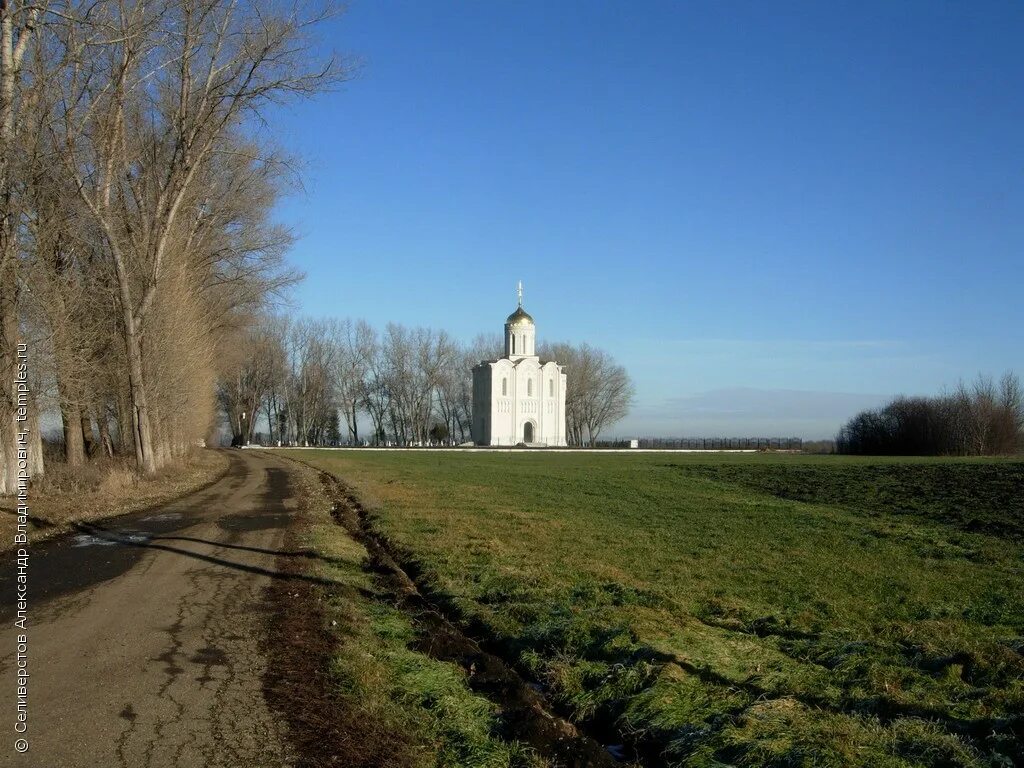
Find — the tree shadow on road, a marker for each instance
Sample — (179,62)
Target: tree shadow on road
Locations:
(146,541)
(38,522)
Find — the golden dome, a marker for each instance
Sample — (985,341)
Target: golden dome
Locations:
(519,317)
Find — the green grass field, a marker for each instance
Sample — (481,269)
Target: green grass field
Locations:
(402,709)
(734,609)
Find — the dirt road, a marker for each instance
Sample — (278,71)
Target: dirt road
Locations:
(146,633)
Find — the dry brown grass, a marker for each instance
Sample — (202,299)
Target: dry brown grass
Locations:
(105,488)
(117,482)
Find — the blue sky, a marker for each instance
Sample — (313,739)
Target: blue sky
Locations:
(753,206)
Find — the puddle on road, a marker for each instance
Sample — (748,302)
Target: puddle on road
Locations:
(161,518)
(111,539)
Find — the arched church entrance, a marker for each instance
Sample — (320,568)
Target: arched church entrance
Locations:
(528,432)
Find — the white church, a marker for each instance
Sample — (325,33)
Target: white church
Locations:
(516,398)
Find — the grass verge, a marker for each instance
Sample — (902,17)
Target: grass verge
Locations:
(369,695)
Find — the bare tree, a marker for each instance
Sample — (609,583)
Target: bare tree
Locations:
(246,380)
(309,392)
(354,341)
(1009,431)
(484,347)
(275,330)
(599,391)
(376,398)
(157,94)
(18,23)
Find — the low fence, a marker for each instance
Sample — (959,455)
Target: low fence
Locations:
(709,443)
(643,443)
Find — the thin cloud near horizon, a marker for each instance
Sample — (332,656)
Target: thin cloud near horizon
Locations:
(749,412)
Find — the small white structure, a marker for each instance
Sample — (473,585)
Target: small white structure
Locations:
(516,398)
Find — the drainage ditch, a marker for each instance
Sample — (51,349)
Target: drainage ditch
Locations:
(526,715)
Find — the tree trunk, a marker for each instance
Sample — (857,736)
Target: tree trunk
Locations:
(8,364)
(270,420)
(88,438)
(142,433)
(8,259)
(35,441)
(125,444)
(105,441)
(74,445)
(161,446)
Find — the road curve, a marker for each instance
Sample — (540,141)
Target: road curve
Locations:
(145,632)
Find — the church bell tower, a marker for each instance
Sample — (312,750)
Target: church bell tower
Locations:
(520,332)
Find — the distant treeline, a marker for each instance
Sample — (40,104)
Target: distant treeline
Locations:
(979,420)
(322,381)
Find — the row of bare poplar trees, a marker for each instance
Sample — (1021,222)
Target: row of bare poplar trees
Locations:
(135,196)
(313,382)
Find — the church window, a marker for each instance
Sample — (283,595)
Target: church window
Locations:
(504,387)
(513,343)
(529,388)
(551,387)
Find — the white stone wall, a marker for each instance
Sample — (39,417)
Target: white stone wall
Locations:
(502,405)
(520,341)
(508,394)
(481,423)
